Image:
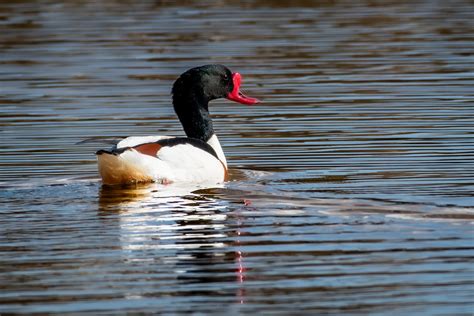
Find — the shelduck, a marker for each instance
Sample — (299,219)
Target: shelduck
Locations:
(196,158)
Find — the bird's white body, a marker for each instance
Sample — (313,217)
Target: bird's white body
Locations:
(177,163)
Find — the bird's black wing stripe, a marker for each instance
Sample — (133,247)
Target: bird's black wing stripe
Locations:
(186,140)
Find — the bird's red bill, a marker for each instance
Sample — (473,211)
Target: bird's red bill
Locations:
(236,95)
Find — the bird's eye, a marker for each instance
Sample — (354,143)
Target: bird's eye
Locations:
(225,77)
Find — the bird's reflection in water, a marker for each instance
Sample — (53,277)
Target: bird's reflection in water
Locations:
(173,231)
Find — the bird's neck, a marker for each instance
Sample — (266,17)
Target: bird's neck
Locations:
(194,115)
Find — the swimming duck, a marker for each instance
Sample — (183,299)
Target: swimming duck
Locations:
(196,158)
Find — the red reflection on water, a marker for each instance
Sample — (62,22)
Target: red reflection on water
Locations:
(240,266)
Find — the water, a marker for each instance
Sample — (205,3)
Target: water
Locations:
(352,182)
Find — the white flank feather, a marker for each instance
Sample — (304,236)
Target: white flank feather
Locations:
(133,141)
(216,145)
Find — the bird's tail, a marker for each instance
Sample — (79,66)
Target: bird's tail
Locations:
(114,169)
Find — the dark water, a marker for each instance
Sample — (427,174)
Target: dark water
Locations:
(357,169)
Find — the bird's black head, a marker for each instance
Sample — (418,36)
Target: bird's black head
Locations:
(209,82)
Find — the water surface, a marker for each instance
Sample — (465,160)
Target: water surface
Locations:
(352,182)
